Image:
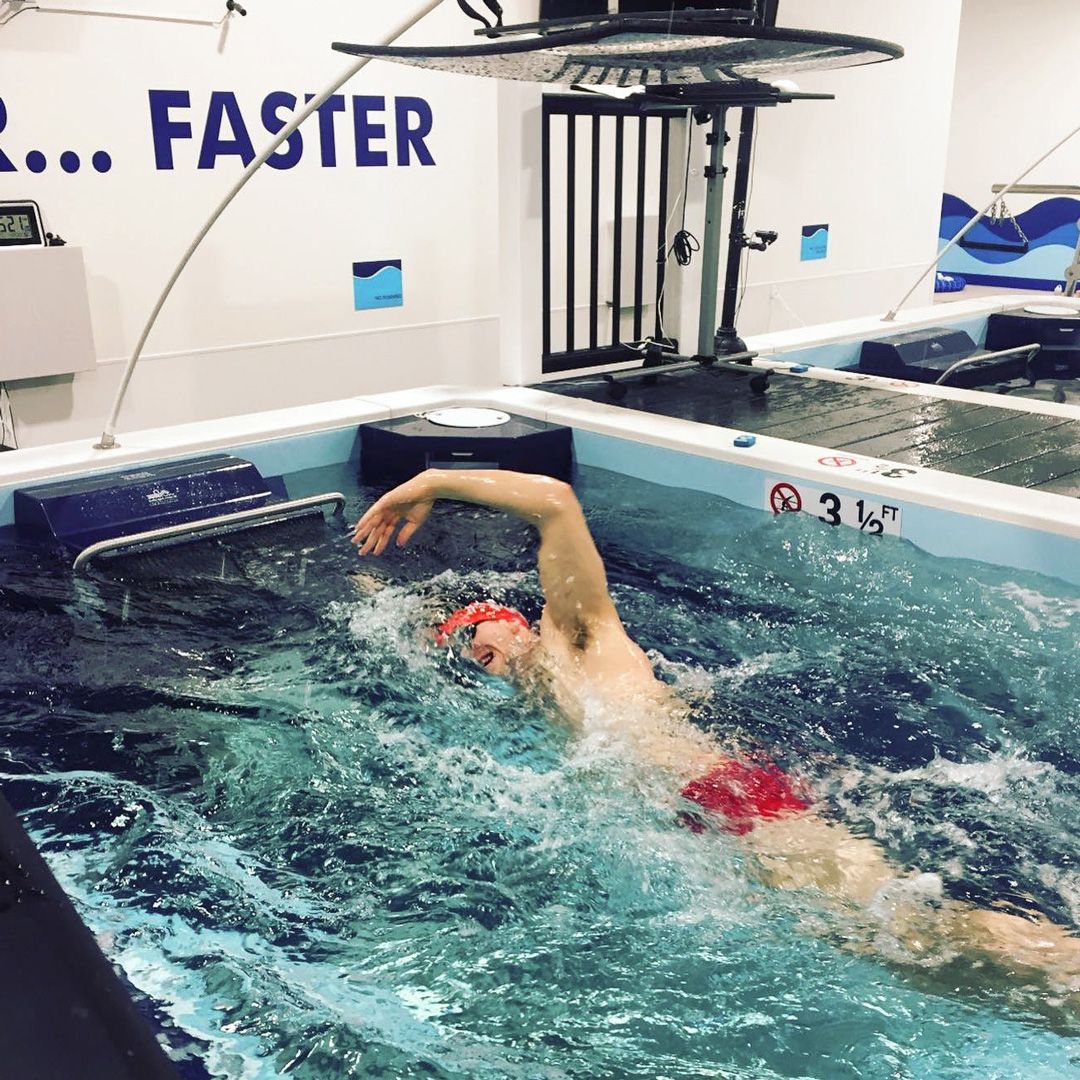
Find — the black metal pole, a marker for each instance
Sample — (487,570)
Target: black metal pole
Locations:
(727,338)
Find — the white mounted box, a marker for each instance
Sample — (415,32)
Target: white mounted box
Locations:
(45,324)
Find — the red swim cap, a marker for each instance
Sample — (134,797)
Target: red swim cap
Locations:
(478,612)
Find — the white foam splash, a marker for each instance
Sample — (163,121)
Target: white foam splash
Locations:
(1039,610)
(997,775)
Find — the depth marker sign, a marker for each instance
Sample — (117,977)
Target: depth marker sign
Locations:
(831,508)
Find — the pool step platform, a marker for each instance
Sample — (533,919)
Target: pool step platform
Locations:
(157,506)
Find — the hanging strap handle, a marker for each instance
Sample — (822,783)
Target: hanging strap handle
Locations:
(492,5)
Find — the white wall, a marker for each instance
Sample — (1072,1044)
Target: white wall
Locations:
(264,315)
(1015,81)
(871,164)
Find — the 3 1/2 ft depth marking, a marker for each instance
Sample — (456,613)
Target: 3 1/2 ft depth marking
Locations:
(833,508)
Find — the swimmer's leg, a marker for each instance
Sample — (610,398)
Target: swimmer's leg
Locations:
(906,919)
(1026,946)
(800,851)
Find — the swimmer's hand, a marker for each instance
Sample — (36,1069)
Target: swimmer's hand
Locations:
(411,502)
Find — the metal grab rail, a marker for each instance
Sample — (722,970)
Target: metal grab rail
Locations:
(193,528)
(968,361)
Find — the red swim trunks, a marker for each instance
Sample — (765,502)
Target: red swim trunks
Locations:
(740,792)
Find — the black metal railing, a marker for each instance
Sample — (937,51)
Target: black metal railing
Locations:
(630,189)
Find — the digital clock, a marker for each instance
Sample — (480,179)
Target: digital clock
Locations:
(20,225)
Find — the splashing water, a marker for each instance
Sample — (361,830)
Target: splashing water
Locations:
(323,847)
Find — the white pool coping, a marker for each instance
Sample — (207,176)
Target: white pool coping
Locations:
(980,499)
(772,348)
(783,458)
(781,341)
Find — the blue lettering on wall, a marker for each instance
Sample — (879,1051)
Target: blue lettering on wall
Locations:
(366,130)
(223,105)
(225,133)
(327,135)
(6,164)
(413,136)
(288,156)
(164,129)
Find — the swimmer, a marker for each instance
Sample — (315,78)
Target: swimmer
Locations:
(581,657)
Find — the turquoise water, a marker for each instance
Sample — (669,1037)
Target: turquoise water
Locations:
(323,850)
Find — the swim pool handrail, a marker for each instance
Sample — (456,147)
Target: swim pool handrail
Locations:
(108,436)
(194,528)
(1032,350)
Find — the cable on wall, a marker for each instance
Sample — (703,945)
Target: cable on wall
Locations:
(685,244)
(745,270)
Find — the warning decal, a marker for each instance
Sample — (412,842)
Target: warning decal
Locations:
(784,499)
(833,508)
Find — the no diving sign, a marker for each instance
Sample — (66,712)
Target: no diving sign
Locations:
(785,498)
(833,508)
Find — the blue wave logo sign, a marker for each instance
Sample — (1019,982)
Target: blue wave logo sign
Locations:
(1033,256)
(378,284)
(815,243)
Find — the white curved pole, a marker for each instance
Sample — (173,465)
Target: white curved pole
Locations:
(891,316)
(108,436)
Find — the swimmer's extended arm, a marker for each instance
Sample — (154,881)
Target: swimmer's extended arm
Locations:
(571,570)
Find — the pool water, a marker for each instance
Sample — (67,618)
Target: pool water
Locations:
(321,848)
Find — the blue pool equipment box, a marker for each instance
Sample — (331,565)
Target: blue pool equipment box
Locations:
(925,355)
(1057,331)
(78,513)
(392,451)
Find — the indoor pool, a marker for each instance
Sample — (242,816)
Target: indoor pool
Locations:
(317,846)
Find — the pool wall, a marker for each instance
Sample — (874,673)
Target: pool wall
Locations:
(946,515)
(65,1011)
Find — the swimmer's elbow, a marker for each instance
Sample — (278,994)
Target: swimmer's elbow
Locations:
(562,492)
(559,499)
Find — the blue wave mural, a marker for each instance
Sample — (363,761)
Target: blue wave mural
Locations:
(1052,232)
